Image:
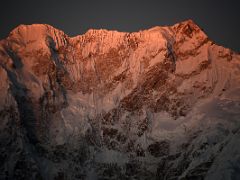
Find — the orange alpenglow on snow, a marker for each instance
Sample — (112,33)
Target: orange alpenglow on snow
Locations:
(162,102)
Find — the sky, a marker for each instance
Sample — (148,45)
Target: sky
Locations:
(220,19)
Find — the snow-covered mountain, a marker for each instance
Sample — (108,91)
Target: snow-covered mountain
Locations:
(162,103)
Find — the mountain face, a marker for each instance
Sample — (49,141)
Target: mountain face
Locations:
(162,103)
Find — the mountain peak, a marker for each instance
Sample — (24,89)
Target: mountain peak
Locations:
(187,27)
(37,34)
(32,29)
(35,31)
(163,100)
(188,21)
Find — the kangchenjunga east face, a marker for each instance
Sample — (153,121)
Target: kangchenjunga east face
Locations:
(162,103)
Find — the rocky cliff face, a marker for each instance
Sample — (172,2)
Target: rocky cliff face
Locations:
(162,103)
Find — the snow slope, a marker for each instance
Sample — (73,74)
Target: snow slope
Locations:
(162,103)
